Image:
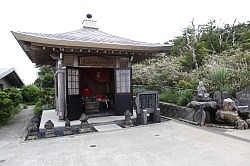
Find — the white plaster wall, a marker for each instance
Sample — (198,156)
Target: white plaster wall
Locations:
(5,83)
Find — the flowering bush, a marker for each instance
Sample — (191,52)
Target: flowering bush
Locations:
(228,71)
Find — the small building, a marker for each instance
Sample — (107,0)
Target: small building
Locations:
(94,73)
(9,78)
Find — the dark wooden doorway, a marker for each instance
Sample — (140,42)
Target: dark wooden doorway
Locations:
(74,98)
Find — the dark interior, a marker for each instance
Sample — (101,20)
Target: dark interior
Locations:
(98,91)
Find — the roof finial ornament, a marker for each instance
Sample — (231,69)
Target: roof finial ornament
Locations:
(89,22)
(89,16)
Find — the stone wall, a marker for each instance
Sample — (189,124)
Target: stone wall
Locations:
(176,112)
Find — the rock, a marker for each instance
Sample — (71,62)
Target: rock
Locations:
(217,98)
(248,122)
(225,95)
(197,104)
(200,117)
(35,120)
(227,116)
(229,105)
(241,124)
(33,127)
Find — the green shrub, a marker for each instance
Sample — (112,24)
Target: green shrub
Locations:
(30,93)
(182,84)
(184,97)
(15,95)
(226,71)
(38,108)
(168,95)
(47,97)
(6,107)
(176,96)
(138,89)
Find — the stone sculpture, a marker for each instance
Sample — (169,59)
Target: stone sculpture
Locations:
(85,126)
(67,129)
(128,122)
(201,90)
(49,129)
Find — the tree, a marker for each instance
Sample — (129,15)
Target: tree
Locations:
(45,77)
(192,35)
(30,93)
(15,95)
(210,38)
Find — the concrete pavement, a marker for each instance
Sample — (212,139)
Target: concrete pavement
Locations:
(12,132)
(167,143)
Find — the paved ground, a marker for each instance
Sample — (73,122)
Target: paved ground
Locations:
(13,131)
(167,143)
(105,123)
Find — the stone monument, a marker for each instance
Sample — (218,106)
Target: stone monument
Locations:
(243,97)
(85,126)
(49,129)
(217,98)
(147,103)
(67,129)
(33,128)
(201,92)
(32,131)
(128,122)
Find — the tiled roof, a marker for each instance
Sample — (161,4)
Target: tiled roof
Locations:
(11,75)
(39,46)
(5,71)
(92,35)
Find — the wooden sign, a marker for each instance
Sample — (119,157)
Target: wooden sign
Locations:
(68,60)
(97,61)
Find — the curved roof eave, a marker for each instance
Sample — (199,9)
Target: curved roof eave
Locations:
(22,36)
(11,72)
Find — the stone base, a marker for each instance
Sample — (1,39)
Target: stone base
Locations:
(67,132)
(85,130)
(128,123)
(157,116)
(142,118)
(49,133)
(31,137)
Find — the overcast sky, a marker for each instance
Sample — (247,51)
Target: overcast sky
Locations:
(154,21)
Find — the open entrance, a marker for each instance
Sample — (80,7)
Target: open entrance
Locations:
(98,91)
(90,91)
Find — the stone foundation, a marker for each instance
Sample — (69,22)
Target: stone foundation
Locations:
(176,112)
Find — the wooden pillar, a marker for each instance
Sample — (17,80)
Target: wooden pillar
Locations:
(61,87)
(76,61)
